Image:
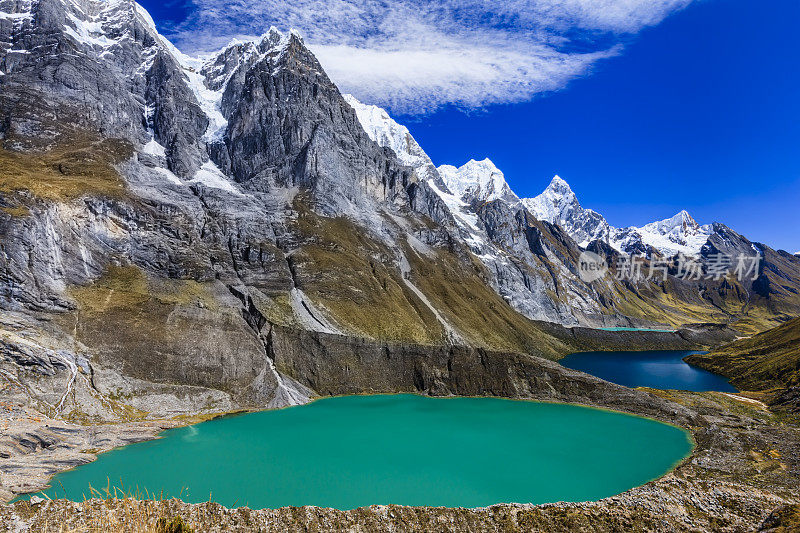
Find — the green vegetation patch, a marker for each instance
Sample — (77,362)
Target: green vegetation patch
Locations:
(353,277)
(769,361)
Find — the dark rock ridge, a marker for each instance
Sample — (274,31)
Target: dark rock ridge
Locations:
(334,365)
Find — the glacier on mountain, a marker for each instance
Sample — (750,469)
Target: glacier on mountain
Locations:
(479,181)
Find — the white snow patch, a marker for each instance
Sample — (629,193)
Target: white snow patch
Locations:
(153,148)
(172,178)
(211,176)
(88,32)
(14,16)
(385,131)
(308,315)
(460,211)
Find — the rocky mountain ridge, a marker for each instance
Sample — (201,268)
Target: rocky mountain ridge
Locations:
(481,181)
(160,214)
(493,221)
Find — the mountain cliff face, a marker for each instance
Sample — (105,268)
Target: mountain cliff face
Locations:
(532,247)
(161,214)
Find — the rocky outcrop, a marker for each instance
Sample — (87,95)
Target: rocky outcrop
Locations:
(289,126)
(333,365)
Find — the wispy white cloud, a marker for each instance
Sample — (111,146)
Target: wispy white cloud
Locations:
(415,56)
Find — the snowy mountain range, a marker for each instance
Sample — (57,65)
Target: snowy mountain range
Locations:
(248,172)
(680,234)
(482,181)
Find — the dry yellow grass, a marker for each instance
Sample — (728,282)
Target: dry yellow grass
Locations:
(111,509)
(469,304)
(353,278)
(66,172)
(127,287)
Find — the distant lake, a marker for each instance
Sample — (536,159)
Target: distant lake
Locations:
(638,329)
(402,449)
(657,369)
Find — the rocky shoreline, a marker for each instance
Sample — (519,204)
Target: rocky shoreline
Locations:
(38,441)
(742,476)
(744,469)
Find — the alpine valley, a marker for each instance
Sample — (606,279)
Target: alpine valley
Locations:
(184,237)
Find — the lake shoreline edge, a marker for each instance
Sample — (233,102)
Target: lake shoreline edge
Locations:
(161,434)
(666,500)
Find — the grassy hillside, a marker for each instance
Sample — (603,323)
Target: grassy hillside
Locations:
(768,362)
(84,167)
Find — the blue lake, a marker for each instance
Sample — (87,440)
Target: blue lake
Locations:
(637,329)
(353,451)
(658,369)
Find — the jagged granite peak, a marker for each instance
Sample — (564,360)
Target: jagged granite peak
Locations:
(96,66)
(480,218)
(558,204)
(288,125)
(554,201)
(384,130)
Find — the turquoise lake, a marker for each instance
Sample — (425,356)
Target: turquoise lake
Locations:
(662,369)
(354,451)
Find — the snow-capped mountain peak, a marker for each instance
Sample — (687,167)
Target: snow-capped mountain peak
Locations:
(559,205)
(677,234)
(385,131)
(558,184)
(478,180)
(556,203)
(681,221)
(482,181)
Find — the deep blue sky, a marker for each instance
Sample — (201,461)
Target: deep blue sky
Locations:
(701,112)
